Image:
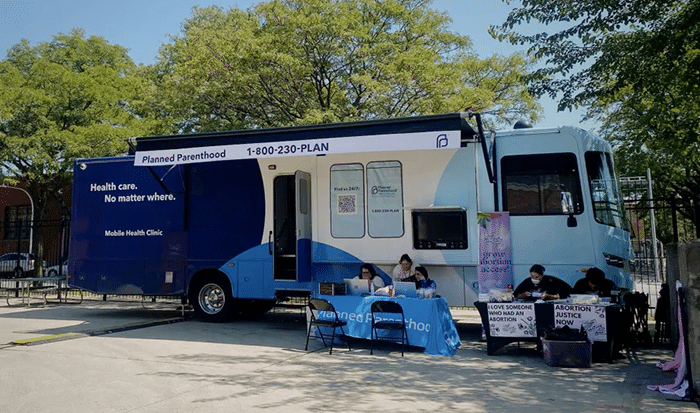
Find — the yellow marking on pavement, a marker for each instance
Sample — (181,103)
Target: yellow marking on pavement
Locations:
(44,339)
(96,332)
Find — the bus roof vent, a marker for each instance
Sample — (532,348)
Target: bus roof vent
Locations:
(522,124)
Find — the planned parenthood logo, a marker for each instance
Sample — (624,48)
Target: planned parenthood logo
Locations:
(441,141)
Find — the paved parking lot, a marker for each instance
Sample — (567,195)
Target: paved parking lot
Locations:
(119,357)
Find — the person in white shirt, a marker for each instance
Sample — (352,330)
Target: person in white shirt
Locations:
(367,272)
(404,269)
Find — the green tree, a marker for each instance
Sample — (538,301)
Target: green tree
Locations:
(637,64)
(64,99)
(290,62)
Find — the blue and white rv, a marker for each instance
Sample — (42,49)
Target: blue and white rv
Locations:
(232,221)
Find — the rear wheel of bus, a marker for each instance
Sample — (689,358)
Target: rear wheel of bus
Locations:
(211,297)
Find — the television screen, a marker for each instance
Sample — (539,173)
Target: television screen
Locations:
(440,229)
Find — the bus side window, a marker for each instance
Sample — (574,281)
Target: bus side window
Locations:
(347,193)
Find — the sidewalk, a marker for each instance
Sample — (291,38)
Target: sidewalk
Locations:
(465,315)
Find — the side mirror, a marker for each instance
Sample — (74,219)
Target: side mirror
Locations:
(567,202)
(567,207)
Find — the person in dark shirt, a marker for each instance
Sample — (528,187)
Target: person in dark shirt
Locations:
(421,279)
(594,283)
(541,286)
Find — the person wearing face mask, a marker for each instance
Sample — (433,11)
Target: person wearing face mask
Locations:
(542,286)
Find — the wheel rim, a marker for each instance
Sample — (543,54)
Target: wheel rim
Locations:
(19,272)
(211,298)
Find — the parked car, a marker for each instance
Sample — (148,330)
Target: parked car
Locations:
(56,270)
(16,264)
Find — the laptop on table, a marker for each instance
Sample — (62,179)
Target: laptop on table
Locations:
(405,288)
(356,286)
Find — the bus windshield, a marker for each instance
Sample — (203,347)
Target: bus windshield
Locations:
(607,203)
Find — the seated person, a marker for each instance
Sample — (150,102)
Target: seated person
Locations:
(367,272)
(594,283)
(550,288)
(404,269)
(422,279)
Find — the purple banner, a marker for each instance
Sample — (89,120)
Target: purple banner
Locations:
(495,268)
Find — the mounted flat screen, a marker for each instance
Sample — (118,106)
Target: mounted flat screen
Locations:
(439,228)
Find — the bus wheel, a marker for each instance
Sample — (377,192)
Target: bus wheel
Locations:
(212,299)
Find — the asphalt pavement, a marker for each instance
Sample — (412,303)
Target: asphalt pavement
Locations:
(125,356)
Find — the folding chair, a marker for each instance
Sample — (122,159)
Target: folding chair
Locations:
(637,308)
(316,305)
(391,324)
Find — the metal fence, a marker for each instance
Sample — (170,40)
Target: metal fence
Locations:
(654,222)
(50,245)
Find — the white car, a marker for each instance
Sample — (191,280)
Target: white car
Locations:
(16,264)
(56,270)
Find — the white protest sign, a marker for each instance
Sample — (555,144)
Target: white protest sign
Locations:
(591,317)
(512,319)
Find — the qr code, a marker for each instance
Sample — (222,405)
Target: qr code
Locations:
(347,204)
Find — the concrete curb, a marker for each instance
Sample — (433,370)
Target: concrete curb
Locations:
(91,333)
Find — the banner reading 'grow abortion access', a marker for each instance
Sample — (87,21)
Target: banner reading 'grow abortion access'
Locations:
(495,268)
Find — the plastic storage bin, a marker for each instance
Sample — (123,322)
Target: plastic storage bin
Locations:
(567,353)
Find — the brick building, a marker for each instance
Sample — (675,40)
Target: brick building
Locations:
(16,232)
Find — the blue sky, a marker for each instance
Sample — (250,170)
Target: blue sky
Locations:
(143,26)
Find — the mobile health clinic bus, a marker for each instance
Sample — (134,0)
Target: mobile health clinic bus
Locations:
(232,221)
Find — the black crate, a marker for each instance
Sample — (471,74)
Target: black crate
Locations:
(331,288)
(567,353)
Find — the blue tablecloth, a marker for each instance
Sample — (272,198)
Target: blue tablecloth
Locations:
(429,321)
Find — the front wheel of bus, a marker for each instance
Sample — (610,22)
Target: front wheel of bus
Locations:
(212,299)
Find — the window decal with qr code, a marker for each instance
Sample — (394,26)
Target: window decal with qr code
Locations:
(347,204)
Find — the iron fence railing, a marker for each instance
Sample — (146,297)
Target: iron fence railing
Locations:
(46,257)
(654,222)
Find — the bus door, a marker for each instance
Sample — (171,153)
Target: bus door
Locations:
(292,227)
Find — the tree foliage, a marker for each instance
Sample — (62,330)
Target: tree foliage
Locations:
(288,62)
(637,64)
(60,100)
